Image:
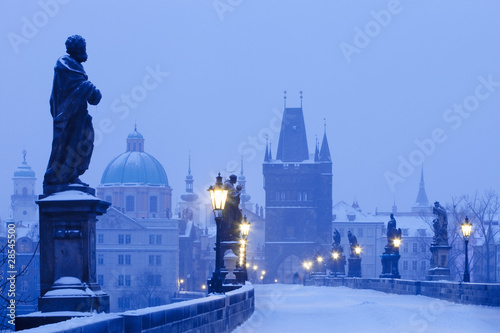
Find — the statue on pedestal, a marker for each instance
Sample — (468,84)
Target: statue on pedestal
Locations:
(73,137)
(353,241)
(231,216)
(392,234)
(440,225)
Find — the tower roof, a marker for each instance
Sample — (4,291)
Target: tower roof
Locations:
(324,153)
(422,200)
(135,166)
(292,144)
(24,170)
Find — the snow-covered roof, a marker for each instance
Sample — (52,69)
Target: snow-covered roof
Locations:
(343,212)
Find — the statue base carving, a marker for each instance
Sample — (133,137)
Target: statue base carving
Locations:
(439,263)
(68,256)
(67,251)
(354,269)
(390,266)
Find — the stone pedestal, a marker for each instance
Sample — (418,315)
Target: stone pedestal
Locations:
(390,266)
(354,269)
(337,266)
(439,263)
(68,251)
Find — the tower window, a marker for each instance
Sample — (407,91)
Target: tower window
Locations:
(25,212)
(129,203)
(25,191)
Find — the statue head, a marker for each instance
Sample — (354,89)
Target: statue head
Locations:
(233,179)
(392,216)
(436,204)
(77,48)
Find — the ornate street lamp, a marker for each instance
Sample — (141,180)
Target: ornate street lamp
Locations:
(218,195)
(245,231)
(357,250)
(466,231)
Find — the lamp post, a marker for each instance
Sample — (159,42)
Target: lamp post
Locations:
(466,231)
(218,196)
(245,231)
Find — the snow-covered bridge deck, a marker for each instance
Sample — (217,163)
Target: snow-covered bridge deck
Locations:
(295,308)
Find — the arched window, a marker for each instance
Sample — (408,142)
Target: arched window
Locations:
(153,204)
(130,203)
(25,191)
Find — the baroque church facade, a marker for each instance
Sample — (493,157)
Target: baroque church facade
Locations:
(137,240)
(298,196)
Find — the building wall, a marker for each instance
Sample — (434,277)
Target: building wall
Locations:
(137,261)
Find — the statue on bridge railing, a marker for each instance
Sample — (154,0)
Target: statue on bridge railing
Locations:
(440,225)
(73,138)
(231,216)
(353,241)
(392,234)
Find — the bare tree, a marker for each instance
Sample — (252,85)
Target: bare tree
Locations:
(482,211)
(6,280)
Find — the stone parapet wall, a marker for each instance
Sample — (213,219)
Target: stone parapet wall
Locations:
(458,292)
(217,313)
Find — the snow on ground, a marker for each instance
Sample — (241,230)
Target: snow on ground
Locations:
(295,308)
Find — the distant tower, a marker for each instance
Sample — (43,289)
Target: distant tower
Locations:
(23,200)
(244,197)
(189,208)
(422,203)
(298,190)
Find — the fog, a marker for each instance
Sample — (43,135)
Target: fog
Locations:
(400,84)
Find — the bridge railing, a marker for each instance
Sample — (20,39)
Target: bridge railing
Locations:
(216,313)
(458,292)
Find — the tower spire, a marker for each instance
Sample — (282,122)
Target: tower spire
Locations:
(284,99)
(301,99)
(422,201)
(324,153)
(266,154)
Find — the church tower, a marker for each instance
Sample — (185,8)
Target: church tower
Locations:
(422,203)
(298,188)
(23,200)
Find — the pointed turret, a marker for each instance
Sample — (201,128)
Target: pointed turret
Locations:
(324,153)
(292,144)
(189,196)
(316,151)
(270,151)
(266,155)
(244,197)
(422,203)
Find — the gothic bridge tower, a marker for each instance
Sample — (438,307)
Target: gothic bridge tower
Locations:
(298,188)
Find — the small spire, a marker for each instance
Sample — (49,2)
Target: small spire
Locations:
(324,125)
(301,99)
(24,156)
(135,126)
(284,99)
(316,151)
(189,163)
(241,172)
(266,155)
(270,151)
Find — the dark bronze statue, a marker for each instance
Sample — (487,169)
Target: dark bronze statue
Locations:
(232,214)
(392,234)
(336,239)
(73,140)
(353,241)
(440,225)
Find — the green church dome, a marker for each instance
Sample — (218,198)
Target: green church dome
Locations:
(135,166)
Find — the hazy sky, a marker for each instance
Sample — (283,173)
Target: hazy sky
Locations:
(399,83)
